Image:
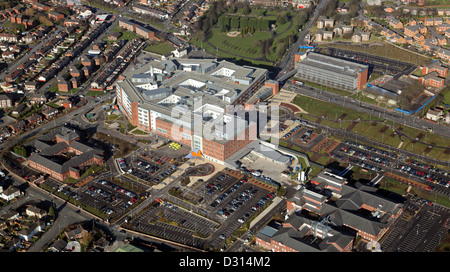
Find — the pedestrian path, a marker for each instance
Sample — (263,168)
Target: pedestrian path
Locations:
(275,202)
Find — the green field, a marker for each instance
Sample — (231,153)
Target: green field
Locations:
(372,127)
(446,96)
(244,46)
(160,48)
(385,50)
(258,37)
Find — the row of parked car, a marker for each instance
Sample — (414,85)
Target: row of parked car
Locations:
(287,135)
(365,156)
(372,149)
(237,202)
(117,188)
(423,175)
(262,201)
(371,161)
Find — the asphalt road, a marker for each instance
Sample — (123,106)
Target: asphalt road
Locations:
(400,118)
(287,63)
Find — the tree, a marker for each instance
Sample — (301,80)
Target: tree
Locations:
(51,211)
(282,18)
(263,25)
(234,22)
(246,9)
(330,8)
(281,49)
(300,18)
(30,12)
(46,21)
(243,22)
(21,151)
(252,22)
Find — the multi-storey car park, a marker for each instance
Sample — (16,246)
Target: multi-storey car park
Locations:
(185,100)
(332,72)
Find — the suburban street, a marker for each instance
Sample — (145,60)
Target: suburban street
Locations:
(400,118)
(287,63)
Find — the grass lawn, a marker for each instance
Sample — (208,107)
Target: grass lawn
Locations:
(331,111)
(386,50)
(160,48)
(126,35)
(446,96)
(341,117)
(243,46)
(95,93)
(246,48)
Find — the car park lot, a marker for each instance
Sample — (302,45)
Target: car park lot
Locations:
(379,64)
(151,169)
(378,160)
(229,202)
(103,195)
(107,197)
(214,187)
(418,229)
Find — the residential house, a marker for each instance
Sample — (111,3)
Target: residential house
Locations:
(41,6)
(28,233)
(418,37)
(67,104)
(75,233)
(22,107)
(31,85)
(114,36)
(14,48)
(8,55)
(7,37)
(435,66)
(12,244)
(9,87)
(14,75)
(58,246)
(10,193)
(18,127)
(442,40)
(4,133)
(49,112)
(38,99)
(447,33)
(11,215)
(428,22)
(396,24)
(328,35)
(356,38)
(432,79)
(34,211)
(329,22)
(434,115)
(6,100)
(180,52)
(444,54)
(63,85)
(442,27)
(438,21)
(34,119)
(71,22)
